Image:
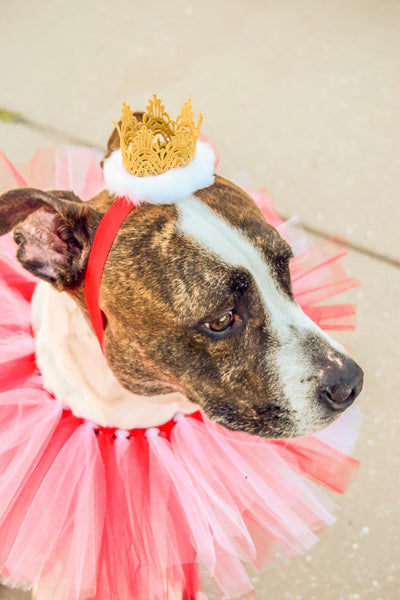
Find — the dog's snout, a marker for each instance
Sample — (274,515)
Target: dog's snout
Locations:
(341,387)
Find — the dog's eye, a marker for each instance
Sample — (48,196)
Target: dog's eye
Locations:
(222,323)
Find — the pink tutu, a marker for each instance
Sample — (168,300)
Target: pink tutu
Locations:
(96,513)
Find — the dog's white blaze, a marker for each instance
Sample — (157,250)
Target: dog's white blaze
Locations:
(227,242)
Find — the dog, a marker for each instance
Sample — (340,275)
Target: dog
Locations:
(197,309)
(199,312)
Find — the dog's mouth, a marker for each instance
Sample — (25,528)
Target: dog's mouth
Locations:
(287,418)
(274,422)
(270,421)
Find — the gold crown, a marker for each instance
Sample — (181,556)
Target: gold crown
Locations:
(157,144)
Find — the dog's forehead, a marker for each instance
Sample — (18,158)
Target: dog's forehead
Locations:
(193,255)
(251,249)
(223,210)
(223,221)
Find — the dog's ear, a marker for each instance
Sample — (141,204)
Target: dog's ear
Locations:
(53,230)
(113,142)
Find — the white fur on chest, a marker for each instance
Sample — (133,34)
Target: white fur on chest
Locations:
(75,370)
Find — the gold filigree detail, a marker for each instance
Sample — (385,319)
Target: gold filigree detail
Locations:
(157,144)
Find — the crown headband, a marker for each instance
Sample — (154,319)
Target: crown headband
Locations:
(157,143)
(159,160)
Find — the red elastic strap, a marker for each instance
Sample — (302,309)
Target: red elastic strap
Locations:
(103,240)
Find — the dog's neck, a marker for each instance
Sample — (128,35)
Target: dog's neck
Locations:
(75,370)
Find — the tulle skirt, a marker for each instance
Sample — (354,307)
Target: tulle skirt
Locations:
(88,512)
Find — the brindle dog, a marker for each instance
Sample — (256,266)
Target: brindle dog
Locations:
(197,300)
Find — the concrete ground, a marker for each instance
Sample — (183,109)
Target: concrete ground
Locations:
(304,97)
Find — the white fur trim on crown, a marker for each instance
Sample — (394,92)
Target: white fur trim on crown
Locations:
(167,187)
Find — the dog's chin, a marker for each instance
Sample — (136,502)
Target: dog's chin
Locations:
(282,430)
(270,421)
(273,422)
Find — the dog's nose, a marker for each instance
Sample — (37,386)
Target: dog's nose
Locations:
(341,388)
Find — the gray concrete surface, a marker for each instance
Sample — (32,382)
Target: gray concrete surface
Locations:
(304,97)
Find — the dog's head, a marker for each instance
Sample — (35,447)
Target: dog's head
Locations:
(196,296)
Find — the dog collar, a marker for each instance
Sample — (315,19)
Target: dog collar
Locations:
(101,246)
